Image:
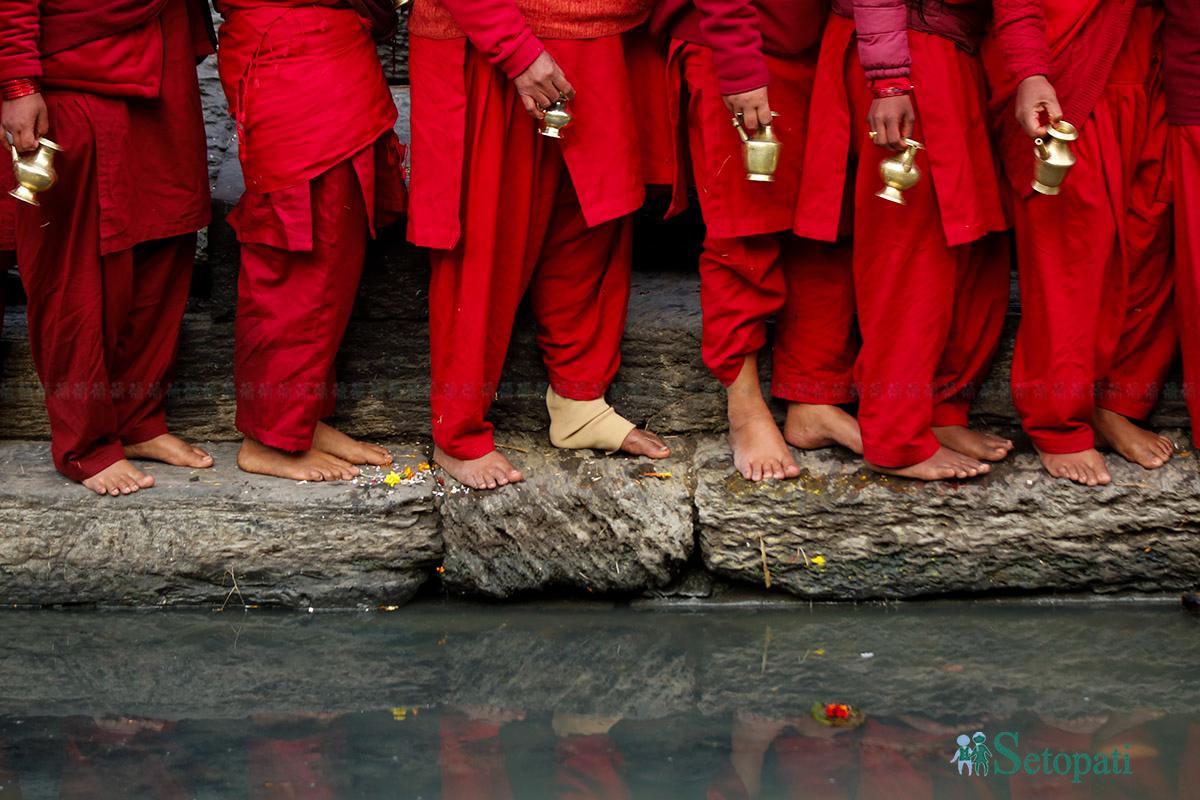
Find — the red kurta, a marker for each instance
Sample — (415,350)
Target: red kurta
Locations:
(106,259)
(1097,323)
(931,290)
(311,200)
(752,267)
(508,211)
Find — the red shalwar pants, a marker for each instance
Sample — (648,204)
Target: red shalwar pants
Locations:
(523,230)
(103,329)
(1097,321)
(930,314)
(302,257)
(1185,172)
(807,286)
(753,268)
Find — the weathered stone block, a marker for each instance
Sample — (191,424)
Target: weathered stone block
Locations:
(185,540)
(842,532)
(580,521)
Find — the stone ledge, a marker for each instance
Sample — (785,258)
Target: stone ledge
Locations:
(840,531)
(182,542)
(580,520)
(591,526)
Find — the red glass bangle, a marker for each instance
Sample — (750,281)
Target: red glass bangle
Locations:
(18,87)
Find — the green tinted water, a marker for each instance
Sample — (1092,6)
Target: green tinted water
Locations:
(463,701)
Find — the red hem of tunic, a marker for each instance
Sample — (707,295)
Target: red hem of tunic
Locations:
(153,233)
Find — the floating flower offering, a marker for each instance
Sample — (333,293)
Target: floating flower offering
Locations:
(838,715)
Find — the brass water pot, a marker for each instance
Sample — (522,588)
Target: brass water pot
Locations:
(900,173)
(34,171)
(760,152)
(556,118)
(1053,157)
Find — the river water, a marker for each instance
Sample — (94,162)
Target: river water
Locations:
(1074,700)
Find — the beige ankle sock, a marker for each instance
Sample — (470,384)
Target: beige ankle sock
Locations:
(582,424)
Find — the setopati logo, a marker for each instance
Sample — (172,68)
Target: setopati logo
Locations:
(974,757)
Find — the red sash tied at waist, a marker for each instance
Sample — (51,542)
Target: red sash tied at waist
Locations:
(306,88)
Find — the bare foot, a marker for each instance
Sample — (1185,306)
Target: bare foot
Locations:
(1086,467)
(329,439)
(944,465)
(170,449)
(759,451)
(486,472)
(309,465)
(1145,448)
(119,478)
(811,427)
(976,444)
(644,443)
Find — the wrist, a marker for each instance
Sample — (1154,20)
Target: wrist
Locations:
(16,88)
(891,87)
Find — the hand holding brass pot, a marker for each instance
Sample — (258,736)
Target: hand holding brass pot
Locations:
(556,118)
(900,173)
(760,152)
(1053,157)
(34,171)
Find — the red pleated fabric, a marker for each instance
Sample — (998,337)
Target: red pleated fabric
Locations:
(931,285)
(106,259)
(524,229)
(302,257)
(950,106)
(602,147)
(306,88)
(752,267)
(1097,318)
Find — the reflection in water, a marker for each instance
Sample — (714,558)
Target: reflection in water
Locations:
(494,754)
(602,706)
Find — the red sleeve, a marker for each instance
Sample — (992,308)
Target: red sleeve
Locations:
(1020,30)
(882,27)
(731,29)
(19,57)
(498,29)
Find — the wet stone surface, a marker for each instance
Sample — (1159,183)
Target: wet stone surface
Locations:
(579,521)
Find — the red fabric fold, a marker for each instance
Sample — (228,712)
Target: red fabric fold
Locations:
(286,135)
